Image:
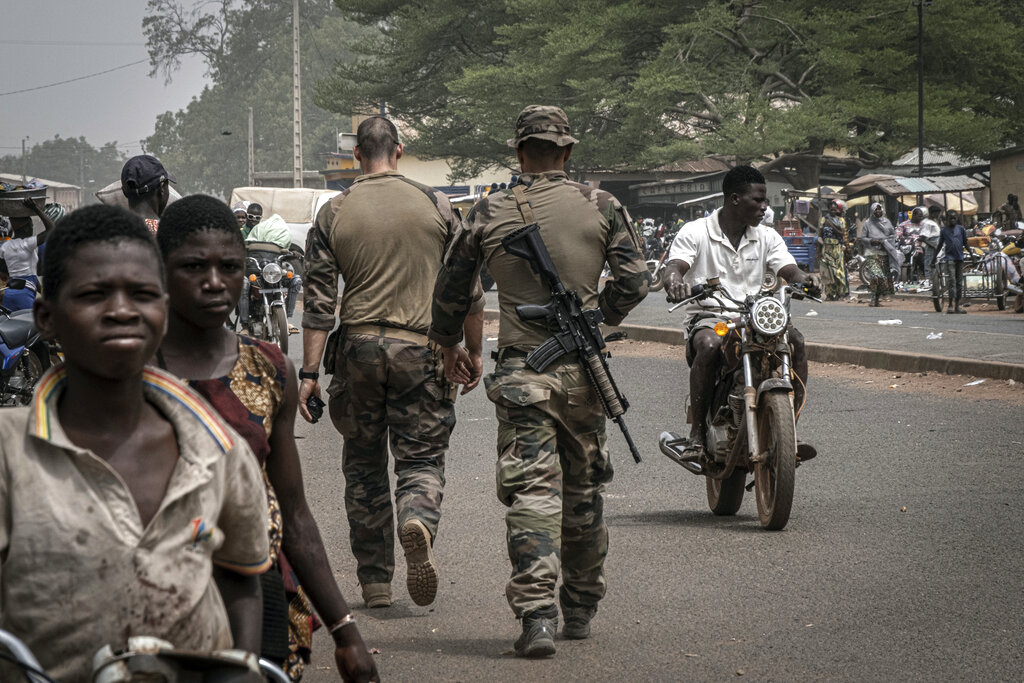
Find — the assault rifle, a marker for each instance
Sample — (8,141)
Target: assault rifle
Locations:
(578,330)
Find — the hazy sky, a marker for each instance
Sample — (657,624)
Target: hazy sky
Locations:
(46,41)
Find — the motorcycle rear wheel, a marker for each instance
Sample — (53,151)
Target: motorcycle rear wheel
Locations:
(726,495)
(280,323)
(775,476)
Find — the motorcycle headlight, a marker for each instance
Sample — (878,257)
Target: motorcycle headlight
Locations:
(272,273)
(768,316)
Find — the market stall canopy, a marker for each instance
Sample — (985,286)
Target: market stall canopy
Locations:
(895,186)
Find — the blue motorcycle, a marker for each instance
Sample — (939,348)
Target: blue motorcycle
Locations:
(24,357)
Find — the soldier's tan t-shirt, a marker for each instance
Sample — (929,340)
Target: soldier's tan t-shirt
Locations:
(386,237)
(77,568)
(582,228)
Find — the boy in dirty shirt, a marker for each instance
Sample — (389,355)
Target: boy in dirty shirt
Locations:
(126,507)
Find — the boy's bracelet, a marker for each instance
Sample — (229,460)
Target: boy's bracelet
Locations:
(341,623)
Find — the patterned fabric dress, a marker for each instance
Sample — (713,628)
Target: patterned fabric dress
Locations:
(833,266)
(249,398)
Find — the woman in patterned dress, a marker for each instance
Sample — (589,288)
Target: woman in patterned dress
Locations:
(832,240)
(875,232)
(254,388)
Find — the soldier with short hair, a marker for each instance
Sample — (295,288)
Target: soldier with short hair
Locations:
(386,236)
(553,463)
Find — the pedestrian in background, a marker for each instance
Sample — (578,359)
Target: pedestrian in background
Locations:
(952,240)
(831,241)
(929,236)
(386,236)
(553,464)
(876,232)
(145,183)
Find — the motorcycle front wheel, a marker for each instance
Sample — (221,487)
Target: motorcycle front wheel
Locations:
(280,323)
(775,474)
(726,495)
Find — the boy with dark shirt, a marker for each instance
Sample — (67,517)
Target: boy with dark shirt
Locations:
(120,489)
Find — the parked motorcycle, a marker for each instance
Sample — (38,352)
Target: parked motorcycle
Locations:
(153,659)
(269,269)
(750,424)
(24,357)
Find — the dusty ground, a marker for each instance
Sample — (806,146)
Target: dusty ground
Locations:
(933,384)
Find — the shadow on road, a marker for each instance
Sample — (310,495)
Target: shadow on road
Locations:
(691,518)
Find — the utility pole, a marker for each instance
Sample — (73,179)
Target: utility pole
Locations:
(296,99)
(24,178)
(921,4)
(251,161)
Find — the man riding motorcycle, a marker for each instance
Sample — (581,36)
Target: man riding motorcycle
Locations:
(731,245)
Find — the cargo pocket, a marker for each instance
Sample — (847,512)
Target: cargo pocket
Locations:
(519,434)
(584,404)
(339,406)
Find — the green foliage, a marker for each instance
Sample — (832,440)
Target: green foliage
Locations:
(248,53)
(70,160)
(648,82)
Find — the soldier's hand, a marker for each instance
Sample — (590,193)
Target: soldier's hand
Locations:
(457,364)
(476,371)
(307,388)
(675,288)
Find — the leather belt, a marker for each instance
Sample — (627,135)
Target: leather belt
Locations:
(390,332)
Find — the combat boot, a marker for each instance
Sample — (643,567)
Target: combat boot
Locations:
(421,574)
(577,621)
(538,637)
(377,594)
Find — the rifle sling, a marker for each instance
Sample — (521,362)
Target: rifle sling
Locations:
(523,204)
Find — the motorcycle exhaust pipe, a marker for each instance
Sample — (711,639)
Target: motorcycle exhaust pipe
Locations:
(669,444)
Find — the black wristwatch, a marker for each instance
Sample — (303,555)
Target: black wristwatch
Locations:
(308,375)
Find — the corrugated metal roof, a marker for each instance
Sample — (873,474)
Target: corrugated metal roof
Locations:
(936,157)
(15,179)
(928,185)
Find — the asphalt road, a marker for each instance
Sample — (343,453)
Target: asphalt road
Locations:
(853,589)
(996,336)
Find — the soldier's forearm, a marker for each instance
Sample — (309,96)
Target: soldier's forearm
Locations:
(313,343)
(473,329)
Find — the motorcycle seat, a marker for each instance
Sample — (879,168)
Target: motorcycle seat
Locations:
(17,329)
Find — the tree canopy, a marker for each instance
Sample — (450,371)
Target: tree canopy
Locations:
(649,82)
(247,51)
(70,160)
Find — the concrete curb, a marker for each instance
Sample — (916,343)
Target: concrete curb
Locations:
(879,359)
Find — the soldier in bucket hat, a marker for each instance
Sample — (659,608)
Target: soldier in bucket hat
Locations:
(553,464)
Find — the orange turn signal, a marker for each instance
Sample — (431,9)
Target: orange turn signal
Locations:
(289,275)
(721,329)
(252,278)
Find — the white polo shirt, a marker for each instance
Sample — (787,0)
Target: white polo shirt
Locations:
(741,269)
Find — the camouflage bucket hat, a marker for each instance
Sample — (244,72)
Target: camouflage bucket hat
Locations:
(545,123)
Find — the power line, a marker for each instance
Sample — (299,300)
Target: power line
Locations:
(72,43)
(72,80)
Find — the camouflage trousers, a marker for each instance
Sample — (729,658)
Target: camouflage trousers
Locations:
(386,391)
(553,466)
